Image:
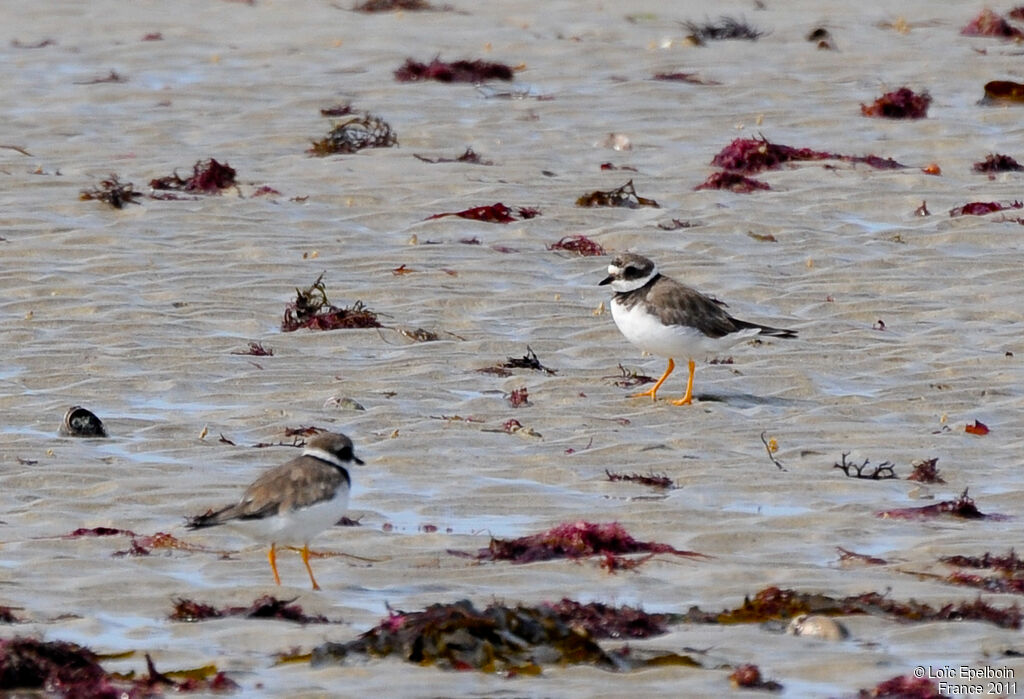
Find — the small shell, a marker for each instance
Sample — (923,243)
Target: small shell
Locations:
(79,422)
(822,627)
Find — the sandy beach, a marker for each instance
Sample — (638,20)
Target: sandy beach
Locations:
(909,326)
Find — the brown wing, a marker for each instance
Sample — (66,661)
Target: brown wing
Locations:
(280,489)
(680,305)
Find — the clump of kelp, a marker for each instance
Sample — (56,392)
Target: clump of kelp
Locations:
(462,71)
(491,213)
(576,540)
(725,28)
(67,669)
(514,640)
(355,134)
(265,607)
(208,177)
(313,311)
(113,192)
(903,103)
(624,196)
(775,604)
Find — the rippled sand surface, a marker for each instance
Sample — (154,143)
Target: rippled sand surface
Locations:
(137,314)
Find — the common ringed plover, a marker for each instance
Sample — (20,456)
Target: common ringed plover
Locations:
(661,316)
(293,502)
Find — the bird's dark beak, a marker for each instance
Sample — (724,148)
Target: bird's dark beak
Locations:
(357,460)
(606,280)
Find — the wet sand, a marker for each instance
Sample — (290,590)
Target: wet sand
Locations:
(136,314)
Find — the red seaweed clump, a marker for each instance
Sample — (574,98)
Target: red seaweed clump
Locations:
(903,103)
(265,607)
(454,72)
(1010,563)
(733,181)
(576,540)
(313,311)
(208,177)
(578,244)
(997,162)
(491,213)
(903,687)
(963,507)
(980,208)
(753,155)
(990,23)
(98,531)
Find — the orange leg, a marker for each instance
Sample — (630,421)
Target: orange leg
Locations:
(272,557)
(653,392)
(309,568)
(688,398)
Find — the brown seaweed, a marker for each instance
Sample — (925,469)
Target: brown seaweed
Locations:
(462,71)
(725,28)
(733,181)
(256,349)
(579,244)
(370,6)
(749,677)
(605,621)
(112,191)
(624,196)
(773,603)
(355,134)
(208,177)
(691,78)
(978,428)
(527,361)
(66,669)
(629,378)
(1003,91)
(654,480)
(903,103)
(997,162)
(265,607)
(468,156)
(313,311)
(925,471)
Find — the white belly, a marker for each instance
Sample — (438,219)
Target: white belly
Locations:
(297,527)
(647,332)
